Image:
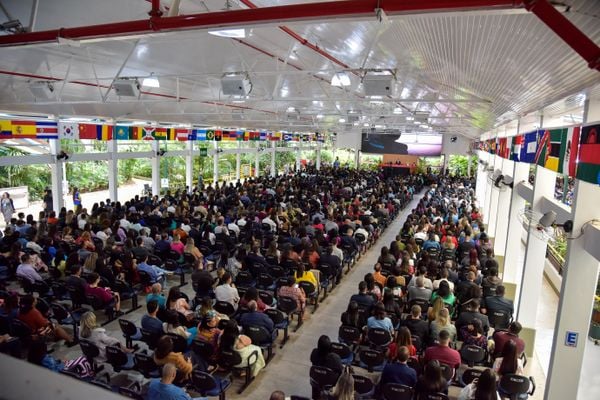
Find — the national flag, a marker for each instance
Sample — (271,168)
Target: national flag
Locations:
(529,147)
(193,135)
(201,134)
(5,128)
(287,137)
(218,135)
(182,134)
(148,133)
(552,150)
(588,167)
(210,134)
(517,144)
(320,137)
(246,136)
(263,136)
(571,148)
(296,137)
(23,129)
(501,150)
(160,133)
(104,132)
(136,133)
(229,136)
(68,130)
(276,136)
(254,135)
(239,136)
(46,130)
(543,148)
(171,135)
(88,131)
(121,132)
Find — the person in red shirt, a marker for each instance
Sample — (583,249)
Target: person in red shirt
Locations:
(501,337)
(108,297)
(33,318)
(442,352)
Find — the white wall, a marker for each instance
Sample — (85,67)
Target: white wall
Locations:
(348,139)
(460,147)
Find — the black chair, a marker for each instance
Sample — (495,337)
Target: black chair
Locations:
(499,319)
(395,391)
(126,292)
(372,360)
(322,379)
(471,355)
(204,350)
(146,366)
(224,307)
(289,306)
(262,338)
(434,396)
(177,269)
(311,292)
(469,375)
(65,317)
(327,278)
(349,335)
(77,296)
(424,304)
(244,279)
(91,352)
(379,338)
(344,351)
(363,386)
(145,280)
(130,332)
(265,281)
(179,343)
(20,329)
(155,260)
(209,385)
(231,360)
(150,338)
(118,359)
(266,297)
(281,322)
(512,386)
(277,272)
(131,393)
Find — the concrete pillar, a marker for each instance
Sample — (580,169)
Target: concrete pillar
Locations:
(512,249)
(578,288)
(356,158)
(445,165)
(298,158)
(487,208)
(56,172)
(535,253)
(481,179)
(216,163)
(257,161)
(273,169)
(318,164)
(155,169)
(238,161)
(189,165)
(113,171)
(468,165)
(504,197)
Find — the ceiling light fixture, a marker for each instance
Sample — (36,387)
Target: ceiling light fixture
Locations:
(397,110)
(340,79)
(319,116)
(342,120)
(229,33)
(410,118)
(151,81)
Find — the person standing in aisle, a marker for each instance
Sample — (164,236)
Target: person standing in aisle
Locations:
(76,200)
(7,207)
(48,201)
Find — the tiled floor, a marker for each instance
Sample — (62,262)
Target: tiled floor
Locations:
(289,369)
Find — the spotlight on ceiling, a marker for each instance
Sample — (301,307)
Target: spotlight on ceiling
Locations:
(340,79)
(160,152)
(548,219)
(229,33)
(453,139)
(62,156)
(151,81)
(236,85)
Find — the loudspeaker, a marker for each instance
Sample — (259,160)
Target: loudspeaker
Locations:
(42,90)
(378,85)
(127,87)
(235,85)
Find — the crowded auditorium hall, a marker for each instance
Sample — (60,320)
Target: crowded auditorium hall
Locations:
(299,199)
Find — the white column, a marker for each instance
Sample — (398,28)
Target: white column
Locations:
(56,172)
(535,253)
(468,165)
(189,165)
(580,275)
(257,161)
(216,163)
(487,210)
(273,169)
(113,171)
(504,197)
(481,177)
(155,169)
(445,167)
(297,158)
(512,251)
(318,164)
(356,158)
(238,161)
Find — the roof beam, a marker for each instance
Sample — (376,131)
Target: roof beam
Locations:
(306,12)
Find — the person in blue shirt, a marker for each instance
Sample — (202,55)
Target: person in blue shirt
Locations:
(398,371)
(76,200)
(157,274)
(157,296)
(163,388)
(430,243)
(150,321)
(380,320)
(256,318)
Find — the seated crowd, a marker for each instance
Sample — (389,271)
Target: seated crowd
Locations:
(432,309)
(257,254)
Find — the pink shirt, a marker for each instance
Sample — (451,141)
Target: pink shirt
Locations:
(178,247)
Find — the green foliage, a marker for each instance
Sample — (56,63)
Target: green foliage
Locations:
(35,177)
(87,175)
(458,165)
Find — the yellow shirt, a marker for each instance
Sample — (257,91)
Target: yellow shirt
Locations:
(307,277)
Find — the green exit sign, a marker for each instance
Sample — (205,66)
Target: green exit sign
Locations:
(203,151)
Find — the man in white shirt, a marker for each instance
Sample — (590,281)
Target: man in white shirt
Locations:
(421,234)
(226,291)
(268,220)
(444,277)
(233,227)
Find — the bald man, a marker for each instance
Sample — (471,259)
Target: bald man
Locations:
(163,389)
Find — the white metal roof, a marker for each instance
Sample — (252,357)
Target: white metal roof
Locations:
(465,71)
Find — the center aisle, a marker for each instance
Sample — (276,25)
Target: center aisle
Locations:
(289,369)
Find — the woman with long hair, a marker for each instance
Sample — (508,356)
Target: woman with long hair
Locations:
(436,306)
(90,330)
(482,388)
(175,301)
(164,354)
(344,388)
(432,381)
(472,334)
(190,248)
(403,338)
(242,344)
(509,363)
(352,317)
(442,323)
(177,245)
